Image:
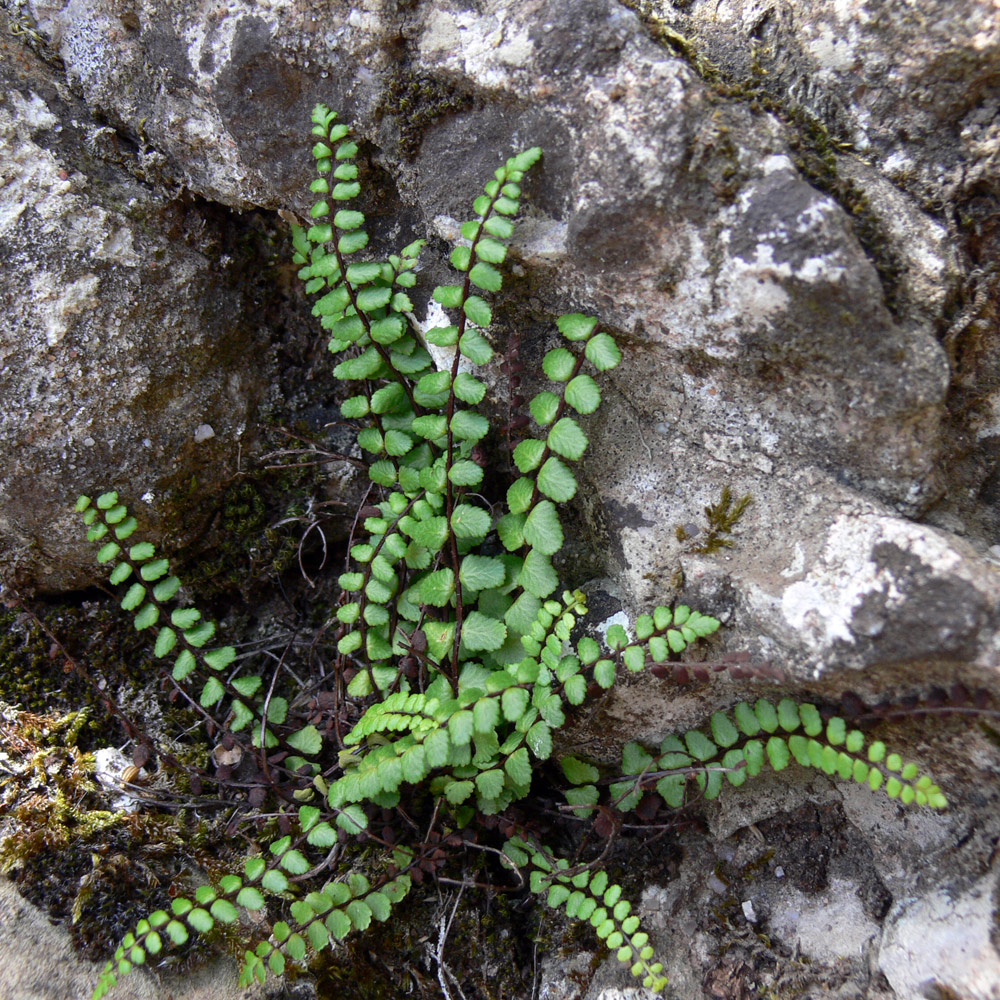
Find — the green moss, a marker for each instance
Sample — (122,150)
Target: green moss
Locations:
(257,533)
(59,832)
(37,671)
(100,871)
(243,509)
(417,102)
(722,517)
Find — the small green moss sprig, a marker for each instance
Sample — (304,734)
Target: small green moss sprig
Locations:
(454,641)
(722,517)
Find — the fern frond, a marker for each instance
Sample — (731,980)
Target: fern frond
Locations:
(182,633)
(317,920)
(447,618)
(322,918)
(744,741)
(588,895)
(421,436)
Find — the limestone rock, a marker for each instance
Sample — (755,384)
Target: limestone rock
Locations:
(848,895)
(944,939)
(908,86)
(126,328)
(788,213)
(773,343)
(37,962)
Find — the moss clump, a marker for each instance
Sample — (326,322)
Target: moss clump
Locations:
(59,834)
(262,525)
(247,549)
(722,517)
(243,509)
(417,102)
(38,647)
(68,853)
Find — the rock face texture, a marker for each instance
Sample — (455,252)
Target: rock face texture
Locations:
(129,354)
(790,215)
(65,976)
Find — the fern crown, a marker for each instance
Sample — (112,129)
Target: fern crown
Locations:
(454,640)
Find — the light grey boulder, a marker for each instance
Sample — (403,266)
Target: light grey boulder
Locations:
(129,357)
(755,321)
(826,889)
(804,315)
(907,85)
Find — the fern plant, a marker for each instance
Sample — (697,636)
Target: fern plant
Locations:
(453,637)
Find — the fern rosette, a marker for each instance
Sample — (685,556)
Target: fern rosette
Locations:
(460,661)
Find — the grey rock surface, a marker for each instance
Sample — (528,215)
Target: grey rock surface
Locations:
(908,85)
(128,331)
(828,891)
(788,213)
(770,341)
(28,936)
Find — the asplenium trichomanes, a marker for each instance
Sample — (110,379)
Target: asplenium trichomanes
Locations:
(461,661)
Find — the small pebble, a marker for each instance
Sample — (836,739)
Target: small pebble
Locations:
(717,885)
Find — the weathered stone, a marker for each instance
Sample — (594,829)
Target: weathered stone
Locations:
(909,86)
(900,93)
(37,962)
(944,940)
(788,215)
(127,334)
(843,889)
